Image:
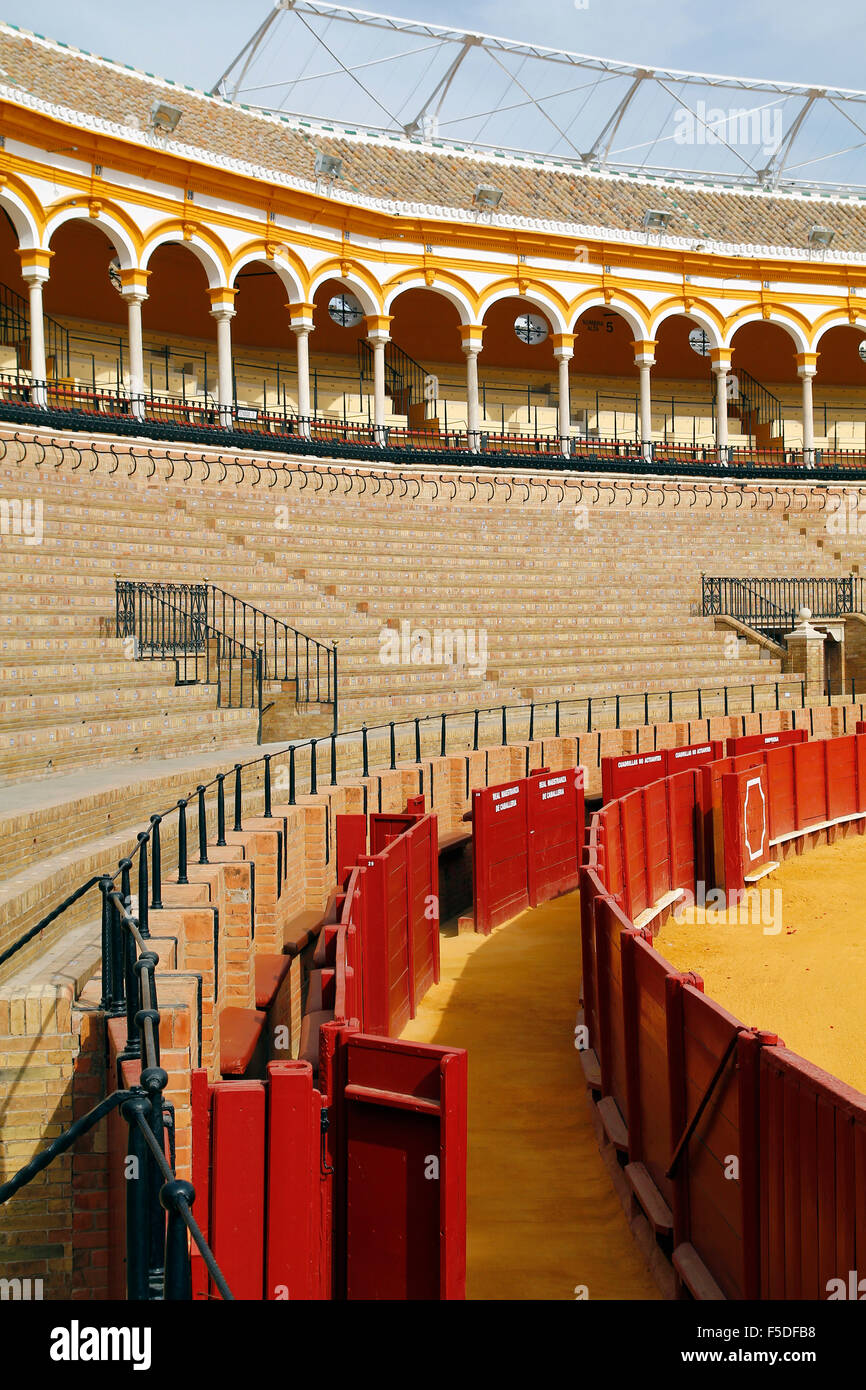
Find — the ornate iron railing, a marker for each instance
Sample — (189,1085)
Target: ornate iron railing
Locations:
(771,606)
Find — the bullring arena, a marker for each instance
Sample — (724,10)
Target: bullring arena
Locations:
(432,706)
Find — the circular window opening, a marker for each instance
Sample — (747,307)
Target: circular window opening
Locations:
(861,348)
(699,342)
(530,329)
(345,310)
(114,274)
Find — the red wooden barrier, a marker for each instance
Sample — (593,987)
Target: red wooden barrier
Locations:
(499,853)
(753,743)
(634,866)
(555,814)
(620,775)
(237,1227)
(385,944)
(610,923)
(422,890)
(644,976)
(351,833)
(291,1221)
(746,825)
(404,1128)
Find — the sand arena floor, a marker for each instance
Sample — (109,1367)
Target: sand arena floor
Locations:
(542,1216)
(807,981)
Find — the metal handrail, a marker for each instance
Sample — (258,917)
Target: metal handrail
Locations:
(771,605)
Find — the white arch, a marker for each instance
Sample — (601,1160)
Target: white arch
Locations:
(640,328)
(21,218)
(359,289)
(454,296)
(538,301)
(842,321)
(114,232)
(793,330)
(697,316)
(281,268)
(216,278)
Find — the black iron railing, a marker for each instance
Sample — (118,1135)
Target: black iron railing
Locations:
(66,406)
(215,637)
(289,656)
(405,379)
(771,606)
(15,330)
(756,405)
(168,622)
(159,1221)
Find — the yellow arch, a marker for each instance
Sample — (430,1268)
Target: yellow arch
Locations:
(25,193)
(763,310)
(678,303)
(260,248)
(613,297)
(418,275)
(335,268)
(183,230)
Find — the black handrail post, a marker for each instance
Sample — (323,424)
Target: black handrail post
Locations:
(504,726)
(700,704)
(334,759)
(143,907)
(777,694)
(267,784)
(221,809)
(617,711)
(444,738)
(173,1197)
(314,768)
(107,1003)
(417,739)
(365,752)
(238,825)
(181,842)
(646,708)
(202,824)
(156,864)
(556,718)
(531,720)
(129,956)
(137,1183)
(475,731)
(753,697)
(292,775)
(336,702)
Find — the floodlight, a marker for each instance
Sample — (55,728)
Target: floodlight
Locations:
(164,117)
(486,196)
(821,236)
(328,166)
(656,219)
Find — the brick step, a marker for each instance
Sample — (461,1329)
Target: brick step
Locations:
(30,710)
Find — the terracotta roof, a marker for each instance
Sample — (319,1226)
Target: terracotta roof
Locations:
(378,167)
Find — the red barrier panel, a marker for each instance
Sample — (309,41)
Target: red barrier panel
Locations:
(746,825)
(632,839)
(860,726)
(591,891)
(238,1185)
(810,785)
(840,763)
(753,743)
(499,853)
(404,1125)
(779,763)
(634,770)
(556,822)
(351,833)
(415,805)
(624,774)
(385,943)
(387,826)
(685,821)
(422,868)
(610,849)
(291,1224)
(610,924)
(644,975)
(656,823)
(813,1181)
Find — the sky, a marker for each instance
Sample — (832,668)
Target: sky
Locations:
(793,40)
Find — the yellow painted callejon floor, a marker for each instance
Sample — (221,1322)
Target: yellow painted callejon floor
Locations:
(798,967)
(543,1217)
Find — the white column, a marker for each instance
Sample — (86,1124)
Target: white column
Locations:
(302,339)
(646,408)
(224,315)
(721,371)
(134,300)
(806,375)
(38,370)
(378,345)
(473,413)
(563,356)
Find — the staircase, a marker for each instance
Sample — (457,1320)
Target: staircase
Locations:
(15,333)
(405,380)
(760,412)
